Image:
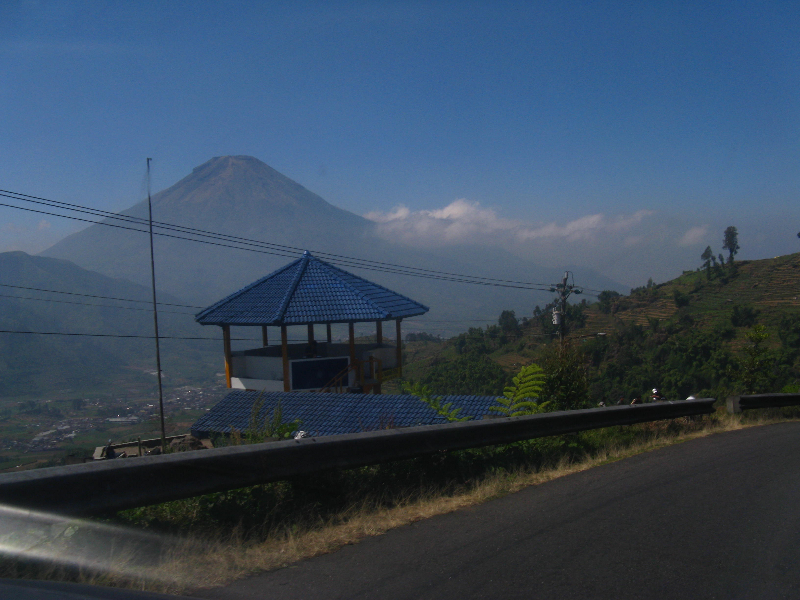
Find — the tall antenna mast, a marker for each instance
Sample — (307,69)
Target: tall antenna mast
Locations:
(155,315)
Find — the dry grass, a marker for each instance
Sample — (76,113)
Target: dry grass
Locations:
(188,564)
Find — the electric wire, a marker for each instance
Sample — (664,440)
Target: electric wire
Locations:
(276,249)
(20,287)
(261,251)
(249,245)
(139,220)
(172,312)
(143,337)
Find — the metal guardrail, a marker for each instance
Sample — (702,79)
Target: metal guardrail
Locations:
(104,486)
(737,404)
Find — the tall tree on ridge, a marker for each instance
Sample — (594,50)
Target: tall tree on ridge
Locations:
(731,242)
(707,256)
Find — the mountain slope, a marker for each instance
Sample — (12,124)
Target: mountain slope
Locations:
(240,195)
(40,364)
(231,195)
(691,335)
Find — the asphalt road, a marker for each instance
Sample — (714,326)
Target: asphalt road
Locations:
(716,517)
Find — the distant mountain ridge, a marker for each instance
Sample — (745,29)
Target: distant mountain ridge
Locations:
(33,364)
(242,196)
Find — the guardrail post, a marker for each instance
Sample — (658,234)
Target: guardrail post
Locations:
(733,405)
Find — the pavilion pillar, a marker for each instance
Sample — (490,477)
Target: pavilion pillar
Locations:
(264,337)
(351,330)
(328,327)
(376,389)
(226,344)
(310,332)
(285,353)
(399,349)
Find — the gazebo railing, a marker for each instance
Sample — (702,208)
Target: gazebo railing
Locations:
(373,376)
(389,374)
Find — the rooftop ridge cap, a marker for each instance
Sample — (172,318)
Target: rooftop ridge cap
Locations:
(246,288)
(305,259)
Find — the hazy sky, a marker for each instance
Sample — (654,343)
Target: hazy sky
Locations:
(623,136)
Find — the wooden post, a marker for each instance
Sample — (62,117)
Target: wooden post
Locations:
(329,332)
(226,343)
(285,351)
(352,331)
(379,331)
(399,349)
(310,333)
(264,338)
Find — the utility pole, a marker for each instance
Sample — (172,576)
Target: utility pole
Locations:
(155,315)
(564,291)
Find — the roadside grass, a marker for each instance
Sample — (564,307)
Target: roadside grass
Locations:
(214,539)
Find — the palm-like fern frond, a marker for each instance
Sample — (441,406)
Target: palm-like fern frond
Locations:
(521,398)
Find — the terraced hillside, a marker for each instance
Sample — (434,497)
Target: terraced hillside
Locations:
(770,286)
(691,333)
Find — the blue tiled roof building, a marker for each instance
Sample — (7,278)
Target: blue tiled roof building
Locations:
(312,292)
(309,290)
(334,414)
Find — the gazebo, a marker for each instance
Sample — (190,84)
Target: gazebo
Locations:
(311,292)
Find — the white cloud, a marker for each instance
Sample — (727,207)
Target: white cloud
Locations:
(694,236)
(399,212)
(629,247)
(463,221)
(43,225)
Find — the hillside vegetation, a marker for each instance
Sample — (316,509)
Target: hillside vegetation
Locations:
(54,366)
(711,332)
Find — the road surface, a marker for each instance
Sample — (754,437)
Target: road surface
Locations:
(716,517)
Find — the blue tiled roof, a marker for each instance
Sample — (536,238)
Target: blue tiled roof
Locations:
(334,414)
(309,290)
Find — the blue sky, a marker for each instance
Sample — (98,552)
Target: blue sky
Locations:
(622,136)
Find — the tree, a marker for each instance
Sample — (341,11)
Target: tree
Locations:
(469,373)
(680,298)
(521,398)
(508,323)
(707,257)
(566,382)
(744,315)
(606,300)
(731,242)
(756,367)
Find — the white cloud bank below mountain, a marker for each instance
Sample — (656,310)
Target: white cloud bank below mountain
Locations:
(462,220)
(629,247)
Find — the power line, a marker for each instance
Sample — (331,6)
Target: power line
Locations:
(283,247)
(423,322)
(173,312)
(263,247)
(115,335)
(143,337)
(20,287)
(412,320)
(434,277)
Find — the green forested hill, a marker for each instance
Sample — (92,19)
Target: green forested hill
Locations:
(712,333)
(32,365)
